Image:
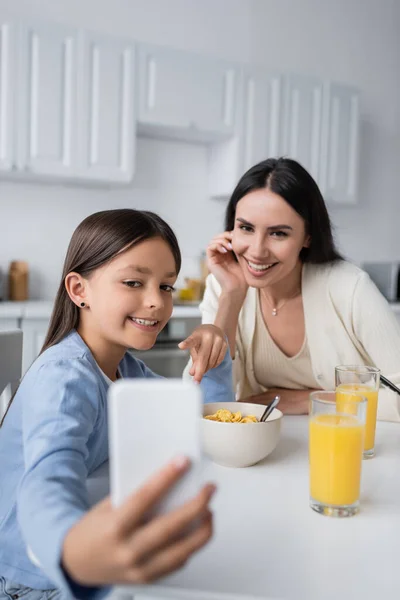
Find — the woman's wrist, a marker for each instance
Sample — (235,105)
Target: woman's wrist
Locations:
(227,316)
(228,311)
(292,402)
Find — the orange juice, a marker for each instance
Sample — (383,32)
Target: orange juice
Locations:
(371,395)
(336,446)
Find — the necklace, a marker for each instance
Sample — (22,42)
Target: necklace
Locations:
(277,307)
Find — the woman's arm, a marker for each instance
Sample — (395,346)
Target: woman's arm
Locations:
(222,264)
(378,332)
(292,402)
(227,317)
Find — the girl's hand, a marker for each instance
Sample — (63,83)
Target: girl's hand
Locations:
(222,264)
(208,346)
(121,545)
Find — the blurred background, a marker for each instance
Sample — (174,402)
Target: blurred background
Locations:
(349,42)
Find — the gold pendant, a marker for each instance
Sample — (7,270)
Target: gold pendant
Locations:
(274,312)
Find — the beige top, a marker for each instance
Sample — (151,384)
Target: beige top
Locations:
(273,368)
(347,321)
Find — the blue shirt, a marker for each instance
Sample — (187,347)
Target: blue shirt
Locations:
(53,437)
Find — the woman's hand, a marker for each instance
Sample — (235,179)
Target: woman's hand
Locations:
(292,402)
(222,264)
(207,346)
(121,545)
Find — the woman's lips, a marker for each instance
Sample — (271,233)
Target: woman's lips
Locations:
(258,269)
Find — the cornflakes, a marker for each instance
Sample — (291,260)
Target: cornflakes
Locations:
(226,416)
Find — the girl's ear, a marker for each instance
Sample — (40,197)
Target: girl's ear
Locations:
(307,242)
(75,285)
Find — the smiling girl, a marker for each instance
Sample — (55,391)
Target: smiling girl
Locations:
(115,294)
(291,307)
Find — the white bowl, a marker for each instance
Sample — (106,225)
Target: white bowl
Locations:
(240,444)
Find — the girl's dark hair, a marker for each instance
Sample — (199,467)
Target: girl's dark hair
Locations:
(293,183)
(96,241)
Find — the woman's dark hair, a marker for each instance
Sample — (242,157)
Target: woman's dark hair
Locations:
(96,241)
(294,184)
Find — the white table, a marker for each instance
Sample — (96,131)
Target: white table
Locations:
(269,544)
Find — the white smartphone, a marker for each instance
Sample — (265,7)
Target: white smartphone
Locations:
(152,421)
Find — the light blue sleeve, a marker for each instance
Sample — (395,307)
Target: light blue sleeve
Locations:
(59,415)
(217,384)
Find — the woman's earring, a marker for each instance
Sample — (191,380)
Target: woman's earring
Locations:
(82,304)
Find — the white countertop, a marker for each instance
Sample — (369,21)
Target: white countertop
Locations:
(268,543)
(41,309)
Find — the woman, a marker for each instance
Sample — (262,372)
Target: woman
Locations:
(291,307)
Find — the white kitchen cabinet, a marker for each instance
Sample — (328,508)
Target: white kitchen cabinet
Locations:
(263,117)
(185,95)
(7,95)
(107,112)
(7,323)
(340,144)
(47,100)
(259,135)
(34,334)
(303,122)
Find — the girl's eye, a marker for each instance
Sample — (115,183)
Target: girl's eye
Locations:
(279,234)
(245,228)
(167,288)
(132,284)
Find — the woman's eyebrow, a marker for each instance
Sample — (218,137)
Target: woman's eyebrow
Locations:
(272,227)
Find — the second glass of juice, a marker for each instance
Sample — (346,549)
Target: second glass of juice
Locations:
(364,381)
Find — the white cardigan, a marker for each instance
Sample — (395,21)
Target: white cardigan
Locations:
(347,321)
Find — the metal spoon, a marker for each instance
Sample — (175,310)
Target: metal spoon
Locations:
(386,382)
(269,408)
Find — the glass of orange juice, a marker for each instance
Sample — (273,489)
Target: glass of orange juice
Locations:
(364,381)
(336,448)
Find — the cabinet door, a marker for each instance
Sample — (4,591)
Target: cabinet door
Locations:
(182,91)
(107,120)
(7,95)
(262,129)
(303,122)
(47,92)
(340,145)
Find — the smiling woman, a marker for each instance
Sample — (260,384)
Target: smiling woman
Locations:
(291,307)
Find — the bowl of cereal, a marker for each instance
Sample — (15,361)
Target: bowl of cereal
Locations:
(233,435)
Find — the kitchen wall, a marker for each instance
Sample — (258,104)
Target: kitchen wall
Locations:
(354,41)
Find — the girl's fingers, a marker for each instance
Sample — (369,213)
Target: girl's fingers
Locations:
(215,352)
(201,356)
(175,555)
(199,367)
(163,531)
(131,512)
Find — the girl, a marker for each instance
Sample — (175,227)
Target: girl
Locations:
(291,307)
(115,294)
